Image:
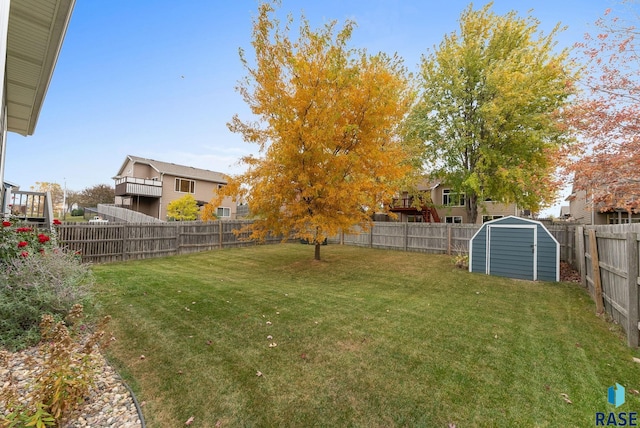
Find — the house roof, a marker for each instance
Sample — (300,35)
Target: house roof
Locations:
(175,170)
(36,31)
(428,184)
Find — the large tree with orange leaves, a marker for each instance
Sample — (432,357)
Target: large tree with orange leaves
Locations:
(607,115)
(328,117)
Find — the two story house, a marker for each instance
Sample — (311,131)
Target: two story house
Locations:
(439,203)
(148,186)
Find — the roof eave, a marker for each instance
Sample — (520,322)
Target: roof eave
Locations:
(25,92)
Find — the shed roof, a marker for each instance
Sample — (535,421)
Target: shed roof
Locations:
(175,170)
(36,31)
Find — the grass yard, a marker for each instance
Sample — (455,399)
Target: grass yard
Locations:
(364,338)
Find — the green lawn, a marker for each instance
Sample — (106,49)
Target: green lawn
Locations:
(364,338)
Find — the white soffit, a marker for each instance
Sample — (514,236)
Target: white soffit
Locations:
(35,34)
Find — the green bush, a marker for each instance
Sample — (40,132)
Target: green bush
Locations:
(78,212)
(36,278)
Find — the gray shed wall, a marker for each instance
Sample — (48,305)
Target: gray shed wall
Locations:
(511,249)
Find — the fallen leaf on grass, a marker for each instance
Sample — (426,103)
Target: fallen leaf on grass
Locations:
(268,322)
(142,357)
(637,360)
(258,373)
(452,425)
(565,397)
(273,345)
(578,345)
(209,342)
(633,391)
(189,421)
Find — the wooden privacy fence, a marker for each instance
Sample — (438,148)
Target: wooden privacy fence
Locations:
(608,263)
(438,238)
(420,237)
(101,243)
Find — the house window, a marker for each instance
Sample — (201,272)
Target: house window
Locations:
(486,218)
(185,186)
(624,219)
(453,219)
(452,199)
(223,212)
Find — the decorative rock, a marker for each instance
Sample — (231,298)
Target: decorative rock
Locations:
(109,403)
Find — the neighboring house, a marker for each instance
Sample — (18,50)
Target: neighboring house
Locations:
(581,210)
(148,186)
(440,204)
(31,36)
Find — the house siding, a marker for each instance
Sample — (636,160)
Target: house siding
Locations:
(204,188)
(487,208)
(581,212)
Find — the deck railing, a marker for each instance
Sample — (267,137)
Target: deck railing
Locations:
(30,206)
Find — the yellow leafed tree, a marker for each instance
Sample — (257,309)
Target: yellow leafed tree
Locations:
(183,209)
(327,132)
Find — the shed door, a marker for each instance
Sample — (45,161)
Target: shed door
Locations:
(512,252)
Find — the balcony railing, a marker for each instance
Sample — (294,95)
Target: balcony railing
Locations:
(132,186)
(30,206)
(402,203)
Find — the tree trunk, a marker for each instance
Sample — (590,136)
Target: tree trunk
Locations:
(317,252)
(472,208)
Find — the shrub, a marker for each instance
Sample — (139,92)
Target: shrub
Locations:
(461,258)
(77,212)
(36,278)
(18,240)
(68,371)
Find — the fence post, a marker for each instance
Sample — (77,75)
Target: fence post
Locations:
(220,234)
(406,236)
(571,237)
(582,265)
(125,231)
(178,238)
(449,239)
(632,284)
(597,284)
(371,235)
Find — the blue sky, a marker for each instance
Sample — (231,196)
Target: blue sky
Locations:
(157,78)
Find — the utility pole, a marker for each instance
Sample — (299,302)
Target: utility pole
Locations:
(64,201)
